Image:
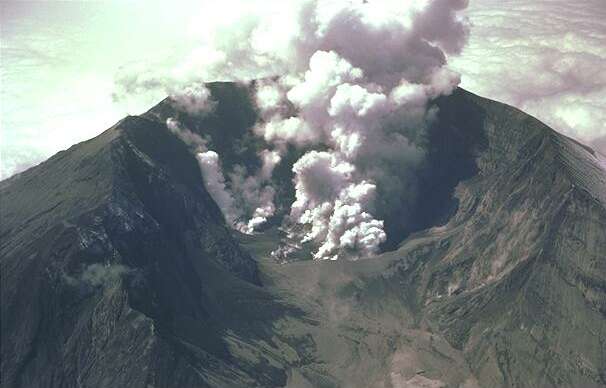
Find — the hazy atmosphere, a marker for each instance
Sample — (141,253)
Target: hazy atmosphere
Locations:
(66,66)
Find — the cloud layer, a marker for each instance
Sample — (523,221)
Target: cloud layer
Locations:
(59,60)
(58,78)
(544,57)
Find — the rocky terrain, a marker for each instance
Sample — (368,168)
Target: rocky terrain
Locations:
(118,270)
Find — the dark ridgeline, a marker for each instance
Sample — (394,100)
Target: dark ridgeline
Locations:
(117,269)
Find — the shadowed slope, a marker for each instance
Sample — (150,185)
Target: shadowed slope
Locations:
(116,269)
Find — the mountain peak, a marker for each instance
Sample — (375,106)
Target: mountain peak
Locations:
(118,268)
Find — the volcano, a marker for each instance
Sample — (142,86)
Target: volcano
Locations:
(118,268)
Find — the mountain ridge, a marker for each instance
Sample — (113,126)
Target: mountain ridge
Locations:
(501,272)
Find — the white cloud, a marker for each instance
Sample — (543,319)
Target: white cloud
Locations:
(545,57)
(58,65)
(59,60)
(291,130)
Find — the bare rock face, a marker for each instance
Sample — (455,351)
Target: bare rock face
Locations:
(106,252)
(117,268)
(517,278)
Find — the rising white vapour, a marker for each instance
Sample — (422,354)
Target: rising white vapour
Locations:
(212,173)
(359,77)
(194,99)
(214,181)
(351,81)
(188,92)
(254,193)
(248,202)
(191,139)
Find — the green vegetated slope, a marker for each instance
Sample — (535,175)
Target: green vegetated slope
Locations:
(118,270)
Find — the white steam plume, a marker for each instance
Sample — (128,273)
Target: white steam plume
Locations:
(194,99)
(191,139)
(188,92)
(355,81)
(210,167)
(214,181)
(362,76)
(254,193)
(250,201)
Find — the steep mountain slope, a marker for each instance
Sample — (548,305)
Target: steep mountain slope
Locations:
(114,264)
(516,278)
(118,269)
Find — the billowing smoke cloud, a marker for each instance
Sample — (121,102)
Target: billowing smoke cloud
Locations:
(249,201)
(354,82)
(254,192)
(361,75)
(194,99)
(336,206)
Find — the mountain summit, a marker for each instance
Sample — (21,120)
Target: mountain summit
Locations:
(118,268)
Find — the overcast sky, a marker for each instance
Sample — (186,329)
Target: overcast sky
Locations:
(60,62)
